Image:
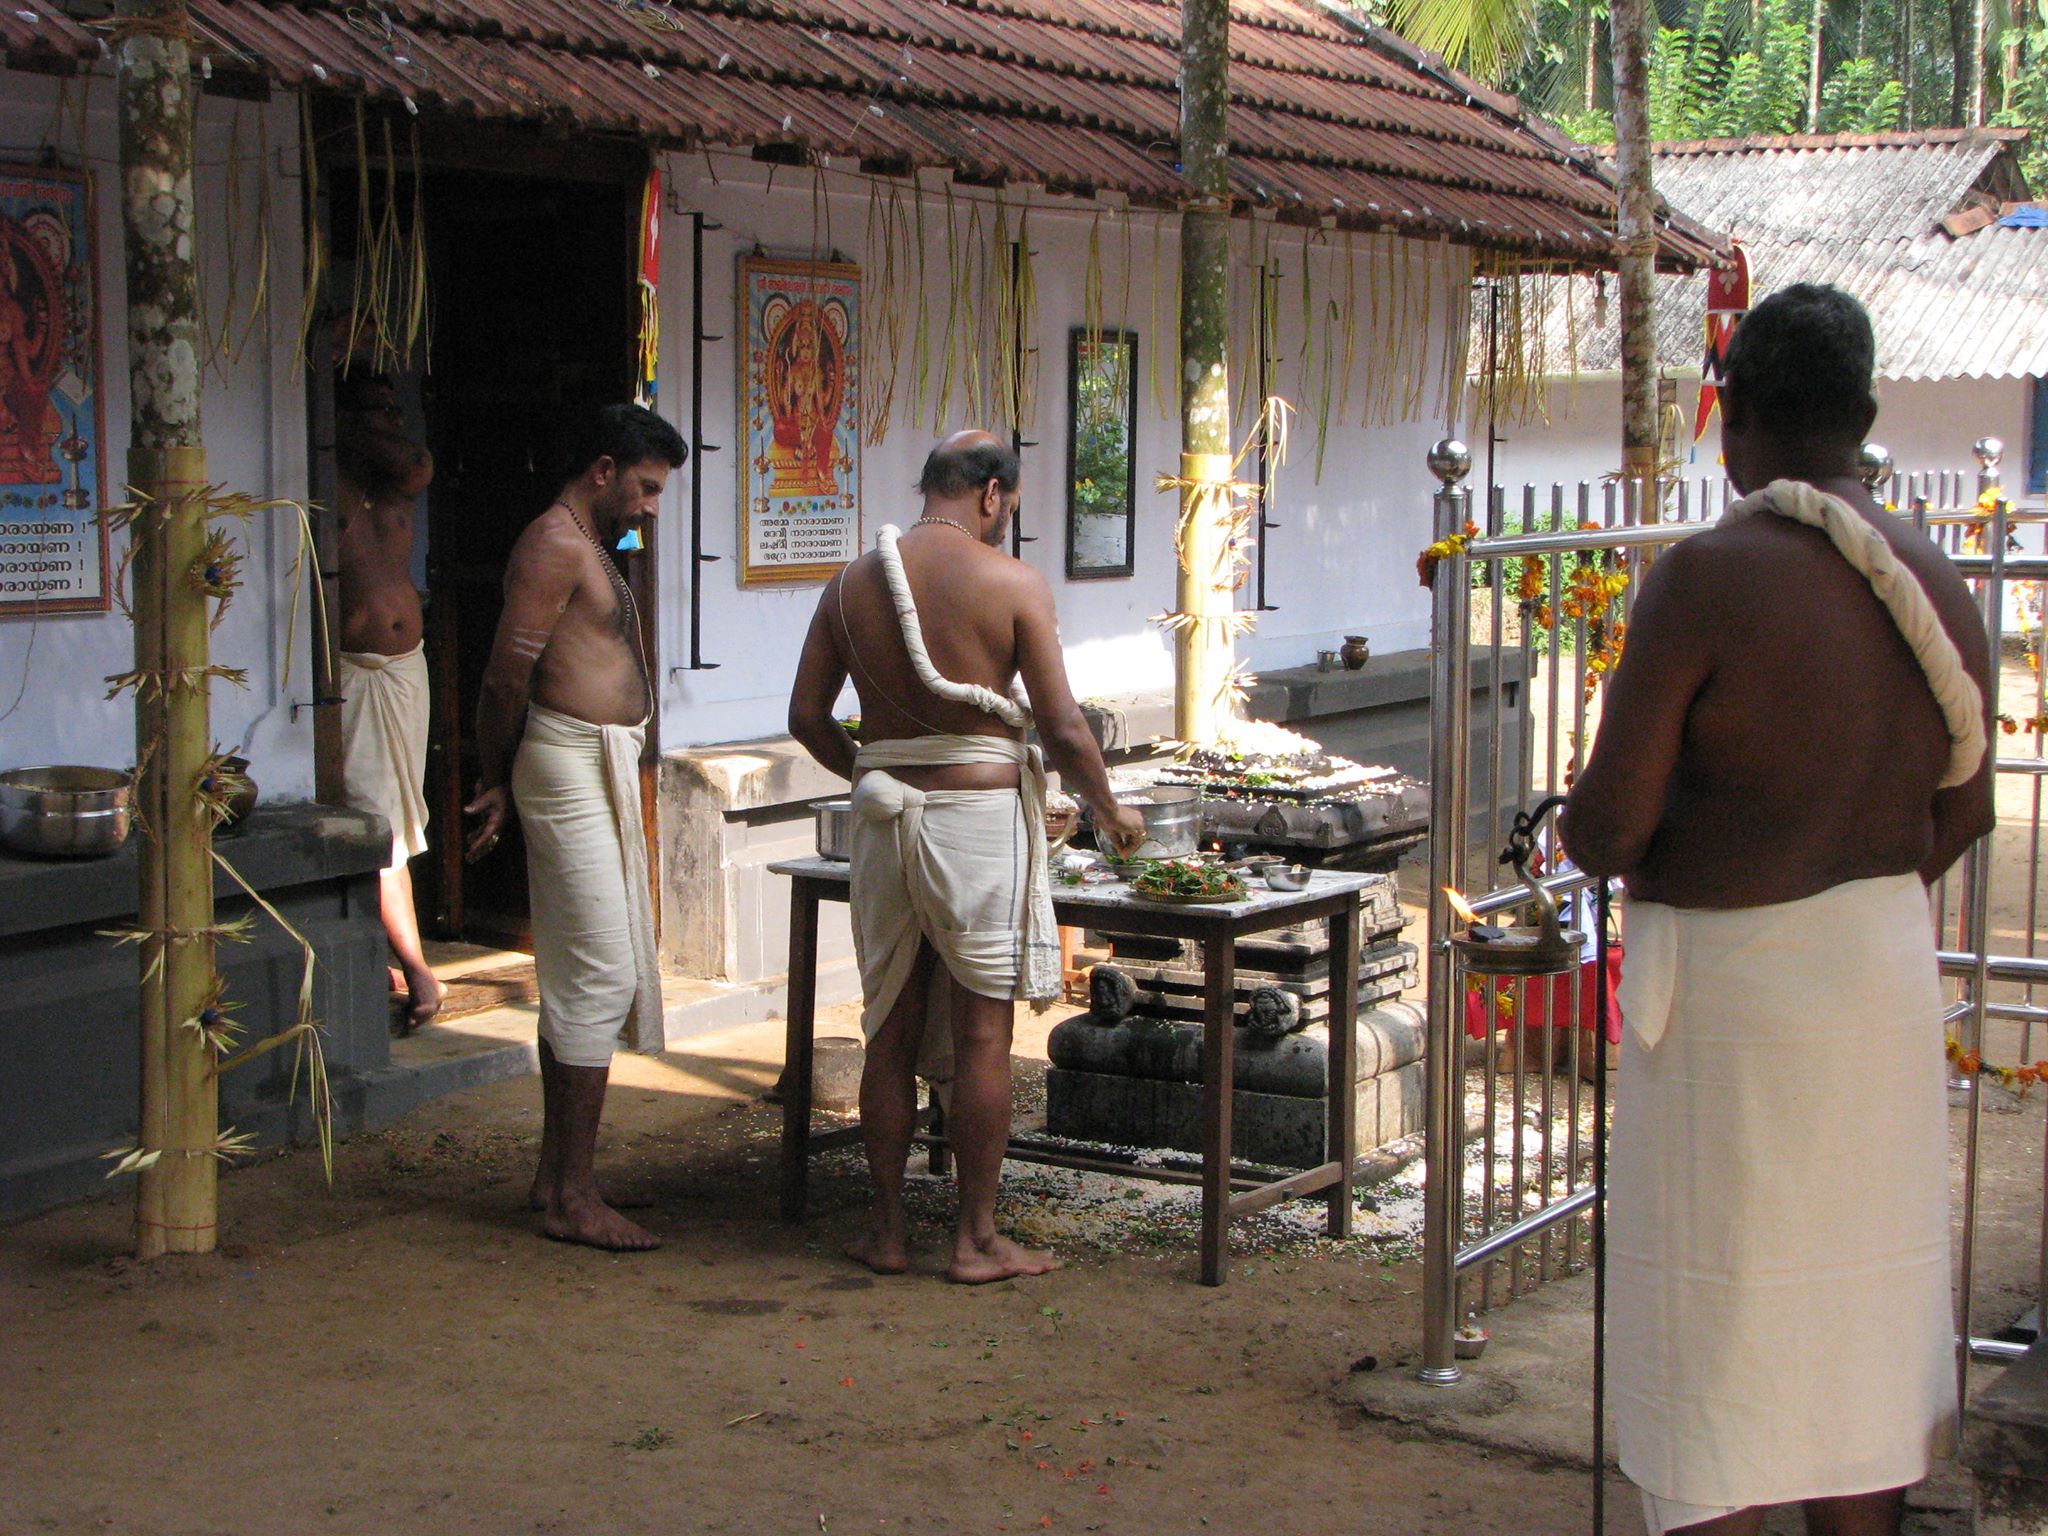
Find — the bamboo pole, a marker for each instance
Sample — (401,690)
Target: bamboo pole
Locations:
(1202,643)
(175,1197)
(1636,226)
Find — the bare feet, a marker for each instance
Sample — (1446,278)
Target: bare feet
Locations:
(884,1254)
(423,992)
(537,1199)
(996,1258)
(597,1225)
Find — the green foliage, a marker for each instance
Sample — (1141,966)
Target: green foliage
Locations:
(1721,69)
(1719,77)
(1860,97)
(2026,103)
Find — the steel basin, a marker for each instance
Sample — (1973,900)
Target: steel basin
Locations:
(1173,819)
(835,828)
(64,812)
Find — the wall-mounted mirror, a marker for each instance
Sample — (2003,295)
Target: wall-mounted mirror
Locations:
(1102,467)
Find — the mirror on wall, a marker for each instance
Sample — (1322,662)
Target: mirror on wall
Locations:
(1102,467)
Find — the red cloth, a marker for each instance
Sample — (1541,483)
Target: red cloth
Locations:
(1534,999)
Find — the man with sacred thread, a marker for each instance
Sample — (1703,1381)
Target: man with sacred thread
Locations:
(951,897)
(560,727)
(380,474)
(1793,749)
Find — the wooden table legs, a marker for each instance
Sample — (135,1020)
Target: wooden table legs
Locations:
(1341,1116)
(1219,1021)
(797,1053)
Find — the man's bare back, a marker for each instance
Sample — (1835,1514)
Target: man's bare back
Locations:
(1772,694)
(970,600)
(381,472)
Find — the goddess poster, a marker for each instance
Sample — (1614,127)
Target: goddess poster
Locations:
(800,408)
(53,549)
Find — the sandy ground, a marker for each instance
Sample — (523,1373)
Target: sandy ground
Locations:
(404,1354)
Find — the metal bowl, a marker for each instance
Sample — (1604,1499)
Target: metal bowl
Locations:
(1173,819)
(64,812)
(835,828)
(1288,877)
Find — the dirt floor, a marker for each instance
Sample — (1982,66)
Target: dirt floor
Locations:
(404,1354)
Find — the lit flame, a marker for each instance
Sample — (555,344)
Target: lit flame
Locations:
(1460,905)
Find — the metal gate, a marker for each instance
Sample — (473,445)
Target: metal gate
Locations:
(1509,1131)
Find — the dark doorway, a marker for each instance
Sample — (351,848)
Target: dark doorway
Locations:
(534,316)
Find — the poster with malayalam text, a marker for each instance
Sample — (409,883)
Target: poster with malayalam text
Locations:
(800,413)
(53,547)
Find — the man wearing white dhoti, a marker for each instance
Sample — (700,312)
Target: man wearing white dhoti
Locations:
(379,475)
(952,909)
(1792,748)
(567,687)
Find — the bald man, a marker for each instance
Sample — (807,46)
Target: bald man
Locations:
(952,907)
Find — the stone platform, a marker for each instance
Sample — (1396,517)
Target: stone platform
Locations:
(1152,1097)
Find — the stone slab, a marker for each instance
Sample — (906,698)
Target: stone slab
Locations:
(2005,1430)
(1278,1130)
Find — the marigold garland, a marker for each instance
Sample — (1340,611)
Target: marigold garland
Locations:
(2014,1079)
(1433,556)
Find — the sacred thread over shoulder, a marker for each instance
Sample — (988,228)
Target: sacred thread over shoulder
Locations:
(1010,710)
(1867,549)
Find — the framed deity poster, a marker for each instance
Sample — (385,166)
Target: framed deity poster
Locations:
(800,414)
(53,546)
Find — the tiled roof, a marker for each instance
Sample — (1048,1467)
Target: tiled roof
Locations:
(1863,212)
(1331,117)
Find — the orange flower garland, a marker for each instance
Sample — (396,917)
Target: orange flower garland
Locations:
(2015,1079)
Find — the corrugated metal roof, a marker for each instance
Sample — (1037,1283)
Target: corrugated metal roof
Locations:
(1864,213)
(1332,117)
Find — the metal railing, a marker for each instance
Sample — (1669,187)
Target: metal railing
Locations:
(1508,1133)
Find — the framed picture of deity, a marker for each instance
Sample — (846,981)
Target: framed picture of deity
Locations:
(799,405)
(53,546)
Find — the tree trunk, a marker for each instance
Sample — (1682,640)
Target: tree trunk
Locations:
(1636,225)
(1592,60)
(2016,20)
(1905,57)
(1820,11)
(1959,50)
(175,1209)
(1977,63)
(1202,587)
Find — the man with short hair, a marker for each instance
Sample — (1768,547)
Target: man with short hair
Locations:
(380,473)
(951,905)
(567,686)
(1792,749)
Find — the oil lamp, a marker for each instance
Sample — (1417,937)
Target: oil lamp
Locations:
(1543,950)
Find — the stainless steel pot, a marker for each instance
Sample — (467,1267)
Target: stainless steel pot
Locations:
(835,828)
(1173,818)
(64,812)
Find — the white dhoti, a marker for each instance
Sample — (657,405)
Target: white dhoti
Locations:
(1778,1257)
(577,789)
(961,869)
(384,706)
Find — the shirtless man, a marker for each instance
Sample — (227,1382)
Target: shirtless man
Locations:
(380,473)
(987,619)
(1780,770)
(560,727)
